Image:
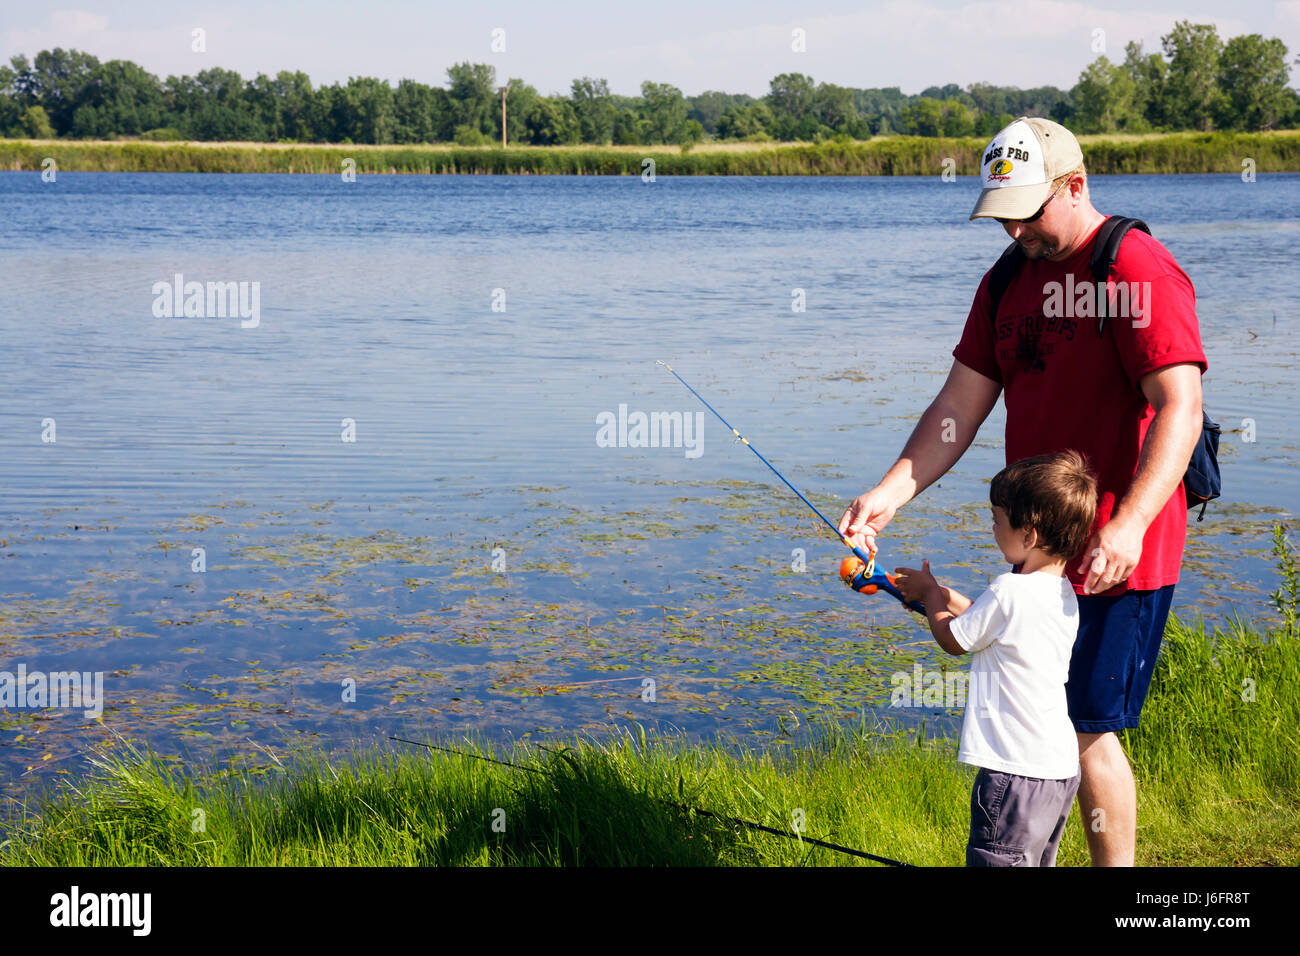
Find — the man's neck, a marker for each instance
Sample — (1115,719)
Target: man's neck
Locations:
(1088,223)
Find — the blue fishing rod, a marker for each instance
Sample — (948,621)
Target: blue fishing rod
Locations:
(858,572)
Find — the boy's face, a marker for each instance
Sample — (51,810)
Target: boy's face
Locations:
(1014,544)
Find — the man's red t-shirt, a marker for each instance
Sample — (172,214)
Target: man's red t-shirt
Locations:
(1064,386)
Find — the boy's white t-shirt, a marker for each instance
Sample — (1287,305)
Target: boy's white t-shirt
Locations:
(1022,631)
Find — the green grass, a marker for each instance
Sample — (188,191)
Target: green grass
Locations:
(1217,761)
(884,156)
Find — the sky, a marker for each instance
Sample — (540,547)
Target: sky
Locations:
(736,47)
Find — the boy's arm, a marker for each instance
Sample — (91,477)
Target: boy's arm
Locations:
(940,612)
(955,601)
(942,604)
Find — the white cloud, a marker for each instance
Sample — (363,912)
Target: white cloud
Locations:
(77,22)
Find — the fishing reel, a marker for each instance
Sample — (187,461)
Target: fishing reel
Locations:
(865,579)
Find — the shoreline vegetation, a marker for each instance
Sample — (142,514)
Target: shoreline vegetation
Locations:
(1160,153)
(1216,759)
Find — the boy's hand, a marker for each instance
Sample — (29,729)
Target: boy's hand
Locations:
(916,585)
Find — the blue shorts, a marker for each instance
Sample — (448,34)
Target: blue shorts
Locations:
(1114,655)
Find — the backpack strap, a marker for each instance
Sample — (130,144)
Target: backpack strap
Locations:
(1000,276)
(1105,250)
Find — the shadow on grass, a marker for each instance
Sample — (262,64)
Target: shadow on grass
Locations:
(578,811)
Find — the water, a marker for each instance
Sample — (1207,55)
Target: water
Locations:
(474,550)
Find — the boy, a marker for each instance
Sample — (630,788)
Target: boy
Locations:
(1016,729)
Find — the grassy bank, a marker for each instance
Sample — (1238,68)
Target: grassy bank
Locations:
(1217,762)
(885,156)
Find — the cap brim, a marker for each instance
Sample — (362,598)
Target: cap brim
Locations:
(1011,202)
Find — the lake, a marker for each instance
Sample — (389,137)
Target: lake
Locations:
(379,506)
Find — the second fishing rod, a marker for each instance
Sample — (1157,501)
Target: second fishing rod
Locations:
(858,572)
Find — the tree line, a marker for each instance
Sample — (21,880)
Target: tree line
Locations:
(1197,82)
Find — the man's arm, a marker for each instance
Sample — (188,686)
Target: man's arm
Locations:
(943,434)
(1175,393)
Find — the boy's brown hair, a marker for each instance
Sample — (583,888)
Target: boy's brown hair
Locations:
(1055,495)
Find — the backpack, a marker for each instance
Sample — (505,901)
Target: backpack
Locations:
(1202,482)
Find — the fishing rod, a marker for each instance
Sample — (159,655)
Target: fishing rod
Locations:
(858,572)
(682,806)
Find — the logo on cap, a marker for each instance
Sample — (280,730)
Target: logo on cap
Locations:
(1000,169)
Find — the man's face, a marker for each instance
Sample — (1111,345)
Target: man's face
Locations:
(1048,235)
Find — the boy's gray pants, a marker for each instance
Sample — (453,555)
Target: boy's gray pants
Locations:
(1017,821)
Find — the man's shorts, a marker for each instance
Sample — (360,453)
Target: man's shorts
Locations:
(1017,821)
(1114,655)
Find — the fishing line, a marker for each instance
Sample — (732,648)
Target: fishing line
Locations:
(682,806)
(860,575)
(868,559)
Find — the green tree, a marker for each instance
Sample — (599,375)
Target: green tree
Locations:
(709,107)
(332,114)
(881,108)
(594,108)
(10,110)
(118,98)
(373,100)
(988,124)
(519,104)
(474,97)
(1254,79)
(754,121)
(1104,97)
(262,99)
(627,128)
(210,106)
(1150,74)
(55,81)
(293,93)
(790,98)
(551,121)
(1193,94)
(664,112)
(834,107)
(923,118)
(34,123)
(281,105)
(958,118)
(950,91)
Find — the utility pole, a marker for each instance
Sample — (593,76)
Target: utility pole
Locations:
(505,90)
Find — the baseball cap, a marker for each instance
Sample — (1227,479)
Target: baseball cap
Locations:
(1019,164)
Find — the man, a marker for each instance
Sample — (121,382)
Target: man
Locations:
(1128,398)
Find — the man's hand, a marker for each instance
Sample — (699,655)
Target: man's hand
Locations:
(1174,391)
(866,517)
(1112,554)
(920,585)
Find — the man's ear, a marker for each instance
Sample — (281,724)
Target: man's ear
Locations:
(1078,183)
